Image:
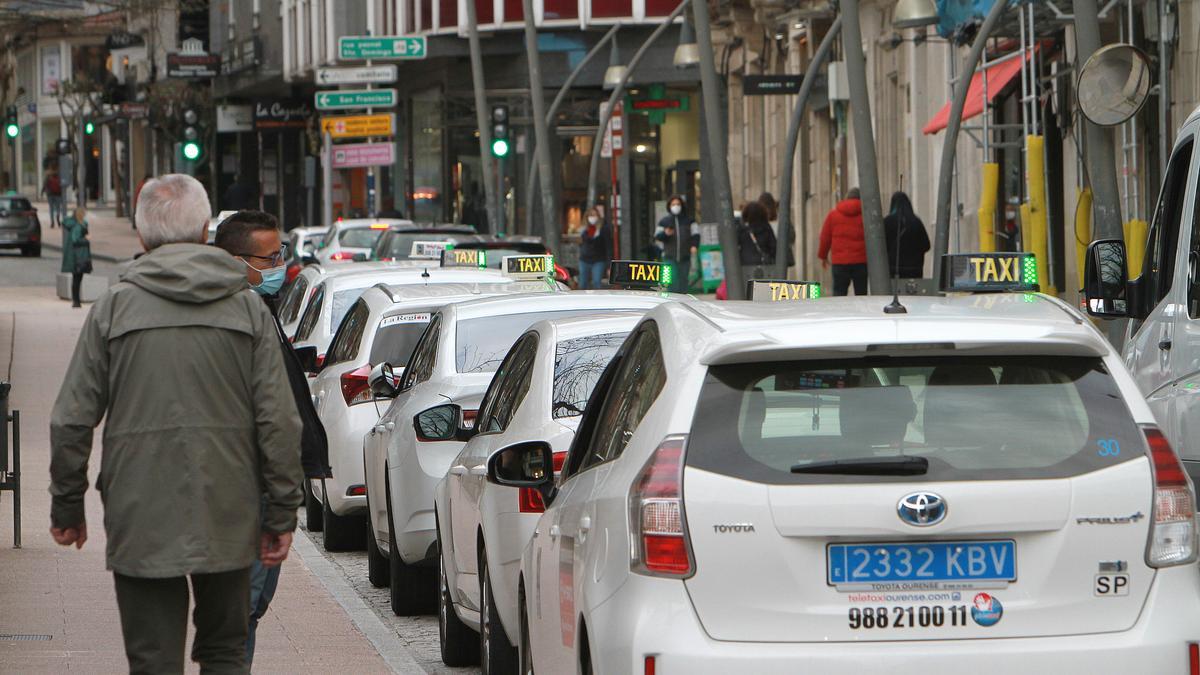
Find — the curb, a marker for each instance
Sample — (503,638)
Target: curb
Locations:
(95,256)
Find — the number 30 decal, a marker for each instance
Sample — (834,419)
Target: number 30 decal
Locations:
(1109,447)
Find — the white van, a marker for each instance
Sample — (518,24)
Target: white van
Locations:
(1162,301)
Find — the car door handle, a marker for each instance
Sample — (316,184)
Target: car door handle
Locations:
(389,426)
(458,470)
(555,531)
(377,429)
(585,524)
(478,470)
(1164,344)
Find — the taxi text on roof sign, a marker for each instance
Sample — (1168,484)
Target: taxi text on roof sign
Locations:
(974,272)
(427,249)
(640,273)
(782,290)
(471,257)
(528,266)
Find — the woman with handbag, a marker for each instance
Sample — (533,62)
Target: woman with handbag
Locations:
(756,241)
(77,251)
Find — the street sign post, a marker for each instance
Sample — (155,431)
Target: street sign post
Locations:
(359,126)
(355,155)
(361,47)
(348,99)
(385,74)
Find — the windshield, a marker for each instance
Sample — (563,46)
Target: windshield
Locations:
(396,337)
(358,237)
(578,364)
(481,343)
(965,418)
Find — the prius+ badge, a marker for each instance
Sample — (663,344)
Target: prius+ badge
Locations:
(921,509)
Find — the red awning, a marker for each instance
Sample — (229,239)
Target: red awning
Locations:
(998,76)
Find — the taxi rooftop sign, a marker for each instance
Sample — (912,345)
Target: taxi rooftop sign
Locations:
(989,272)
(782,290)
(640,274)
(528,266)
(468,257)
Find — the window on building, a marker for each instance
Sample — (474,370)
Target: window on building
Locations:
(426,14)
(560,9)
(660,7)
(447,13)
(602,9)
(484,12)
(513,10)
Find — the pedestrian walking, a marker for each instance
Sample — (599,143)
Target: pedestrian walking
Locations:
(680,241)
(595,250)
(76,251)
(182,366)
(843,245)
(52,188)
(907,240)
(756,241)
(254,239)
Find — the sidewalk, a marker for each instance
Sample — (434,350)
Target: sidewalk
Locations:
(57,606)
(113,239)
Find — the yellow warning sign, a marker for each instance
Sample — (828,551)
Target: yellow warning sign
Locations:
(359,126)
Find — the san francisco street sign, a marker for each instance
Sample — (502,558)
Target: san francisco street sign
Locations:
(359,126)
(347,99)
(357,155)
(383,47)
(368,75)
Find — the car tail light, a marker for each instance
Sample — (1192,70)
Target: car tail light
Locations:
(342,255)
(356,491)
(648,667)
(468,418)
(1173,526)
(1194,659)
(529,499)
(292,270)
(657,523)
(320,361)
(355,387)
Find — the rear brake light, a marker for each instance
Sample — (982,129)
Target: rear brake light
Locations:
(1173,526)
(659,526)
(342,255)
(355,387)
(468,418)
(530,500)
(356,490)
(320,361)
(649,666)
(1194,659)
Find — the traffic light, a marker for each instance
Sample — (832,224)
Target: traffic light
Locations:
(192,149)
(11,128)
(89,127)
(500,144)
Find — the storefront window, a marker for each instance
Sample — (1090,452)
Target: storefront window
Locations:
(427,155)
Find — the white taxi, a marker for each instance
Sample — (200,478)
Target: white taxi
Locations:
(539,392)
(974,483)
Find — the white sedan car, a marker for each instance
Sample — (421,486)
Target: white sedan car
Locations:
(974,484)
(349,237)
(539,392)
(411,448)
(382,326)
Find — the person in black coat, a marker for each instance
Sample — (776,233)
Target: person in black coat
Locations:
(903,229)
(680,240)
(595,250)
(756,239)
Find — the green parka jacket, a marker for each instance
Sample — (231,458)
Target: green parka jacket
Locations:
(183,364)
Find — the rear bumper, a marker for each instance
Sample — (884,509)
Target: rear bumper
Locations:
(655,617)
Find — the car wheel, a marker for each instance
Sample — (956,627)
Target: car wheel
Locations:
(413,589)
(314,519)
(524,653)
(377,564)
(459,646)
(342,533)
(496,653)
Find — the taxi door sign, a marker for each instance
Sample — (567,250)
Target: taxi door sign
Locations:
(528,266)
(464,257)
(639,273)
(431,250)
(782,290)
(975,272)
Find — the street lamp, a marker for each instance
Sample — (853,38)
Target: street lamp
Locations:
(615,75)
(914,14)
(687,54)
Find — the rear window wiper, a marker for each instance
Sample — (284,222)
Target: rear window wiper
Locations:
(868,466)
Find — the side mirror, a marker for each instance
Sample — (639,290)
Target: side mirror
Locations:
(308,358)
(1105,279)
(359,257)
(529,464)
(384,381)
(439,423)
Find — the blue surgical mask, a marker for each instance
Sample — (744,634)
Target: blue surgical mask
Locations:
(272,279)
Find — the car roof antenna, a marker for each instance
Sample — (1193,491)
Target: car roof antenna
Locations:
(425,273)
(895,307)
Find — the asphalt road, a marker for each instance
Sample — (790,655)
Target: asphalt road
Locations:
(16,270)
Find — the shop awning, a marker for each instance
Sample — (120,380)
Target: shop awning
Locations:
(998,77)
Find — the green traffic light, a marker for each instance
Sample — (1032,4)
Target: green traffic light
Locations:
(12,130)
(191,150)
(500,147)
(89,128)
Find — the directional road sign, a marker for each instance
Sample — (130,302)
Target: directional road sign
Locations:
(368,75)
(356,155)
(382,47)
(359,126)
(348,99)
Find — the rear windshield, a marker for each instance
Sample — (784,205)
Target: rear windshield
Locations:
(480,344)
(358,237)
(577,367)
(396,337)
(972,418)
(398,245)
(15,204)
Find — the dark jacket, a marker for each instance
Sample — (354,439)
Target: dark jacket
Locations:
(756,244)
(842,240)
(914,243)
(678,247)
(314,444)
(598,247)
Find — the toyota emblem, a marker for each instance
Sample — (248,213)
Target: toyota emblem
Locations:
(921,509)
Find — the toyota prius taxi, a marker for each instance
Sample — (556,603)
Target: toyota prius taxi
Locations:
(972,484)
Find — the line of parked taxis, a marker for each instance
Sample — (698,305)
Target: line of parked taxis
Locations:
(634,481)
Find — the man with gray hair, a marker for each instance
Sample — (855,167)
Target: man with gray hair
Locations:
(183,365)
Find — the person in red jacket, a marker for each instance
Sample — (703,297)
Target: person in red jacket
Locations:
(843,244)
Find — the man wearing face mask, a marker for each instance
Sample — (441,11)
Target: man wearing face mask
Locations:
(680,240)
(253,238)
